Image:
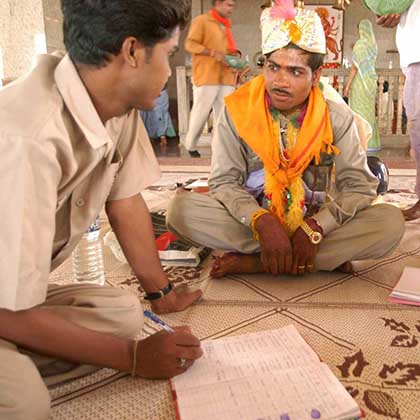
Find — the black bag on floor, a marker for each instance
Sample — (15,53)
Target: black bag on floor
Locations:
(379,169)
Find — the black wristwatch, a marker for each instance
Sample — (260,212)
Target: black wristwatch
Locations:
(159,294)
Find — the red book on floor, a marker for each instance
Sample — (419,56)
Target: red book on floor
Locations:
(163,241)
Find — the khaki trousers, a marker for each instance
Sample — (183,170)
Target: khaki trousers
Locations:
(24,376)
(202,220)
(204,99)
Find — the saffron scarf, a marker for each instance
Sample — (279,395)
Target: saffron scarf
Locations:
(228,25)
(250,114)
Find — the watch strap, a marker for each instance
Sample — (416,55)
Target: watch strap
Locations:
(314,236)
(159,294)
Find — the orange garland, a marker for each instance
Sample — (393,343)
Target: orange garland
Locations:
(251,116)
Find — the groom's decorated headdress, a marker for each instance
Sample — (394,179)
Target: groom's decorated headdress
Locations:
(282,24)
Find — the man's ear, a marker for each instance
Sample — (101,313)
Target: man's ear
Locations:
(316,75)
(132,51)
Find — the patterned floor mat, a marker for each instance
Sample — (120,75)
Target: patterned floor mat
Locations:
(371,345)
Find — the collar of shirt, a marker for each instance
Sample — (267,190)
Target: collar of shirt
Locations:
(210,18)
(78,101)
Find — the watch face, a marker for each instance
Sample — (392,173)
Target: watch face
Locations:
(316,238)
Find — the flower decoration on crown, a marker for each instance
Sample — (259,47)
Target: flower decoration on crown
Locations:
(285,10)
(283,23)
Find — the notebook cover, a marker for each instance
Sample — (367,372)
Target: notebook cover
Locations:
(403,301)
(175,401)
(409,283)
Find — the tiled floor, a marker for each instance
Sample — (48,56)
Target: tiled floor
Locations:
(174,154)
(370,355)
(400,191)
(177,167)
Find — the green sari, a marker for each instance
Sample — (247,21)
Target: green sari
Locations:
(386,7)
(362,98)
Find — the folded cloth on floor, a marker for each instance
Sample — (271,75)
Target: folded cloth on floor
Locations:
(177,253)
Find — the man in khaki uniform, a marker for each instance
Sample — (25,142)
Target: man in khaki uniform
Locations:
(209,40)
(273,151)
(71,142)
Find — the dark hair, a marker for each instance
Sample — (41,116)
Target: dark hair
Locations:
(315,60)
(96,29)
(213,2)
(265,4)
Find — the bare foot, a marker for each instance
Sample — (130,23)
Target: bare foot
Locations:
(163,141)
(233,263)
(346,267)
(412,213)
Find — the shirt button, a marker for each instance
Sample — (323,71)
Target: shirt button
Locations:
(80,202)
(243,219)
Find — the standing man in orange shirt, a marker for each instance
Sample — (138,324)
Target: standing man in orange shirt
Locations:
(209,40)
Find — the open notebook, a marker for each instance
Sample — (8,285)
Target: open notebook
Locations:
(407,290)
(266,375)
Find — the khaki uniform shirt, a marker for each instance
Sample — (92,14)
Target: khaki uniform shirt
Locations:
(233,160)
(207,32)
(58,166)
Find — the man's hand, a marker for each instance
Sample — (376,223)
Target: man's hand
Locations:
(388,21)
(158,356)
(219,56)
(346,91)
(304,251)
(131,222)
(276,249)
(175,301)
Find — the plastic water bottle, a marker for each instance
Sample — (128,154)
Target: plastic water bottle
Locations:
(88,257)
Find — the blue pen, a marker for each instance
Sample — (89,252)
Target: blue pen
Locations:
(158,321)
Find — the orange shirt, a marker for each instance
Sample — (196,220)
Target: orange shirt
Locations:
(206,32)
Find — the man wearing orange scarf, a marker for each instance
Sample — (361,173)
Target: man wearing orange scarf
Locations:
(209,40)
(273,151)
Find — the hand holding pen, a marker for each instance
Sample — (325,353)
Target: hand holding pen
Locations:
(157,320)
(168,352)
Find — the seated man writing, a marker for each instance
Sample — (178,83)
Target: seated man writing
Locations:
(273,151)
(71,141)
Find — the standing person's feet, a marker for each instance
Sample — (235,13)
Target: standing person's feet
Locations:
(163,141)
(412,213)
(194,153)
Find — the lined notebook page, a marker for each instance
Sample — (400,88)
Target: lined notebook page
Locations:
(232,358)
(261,376)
